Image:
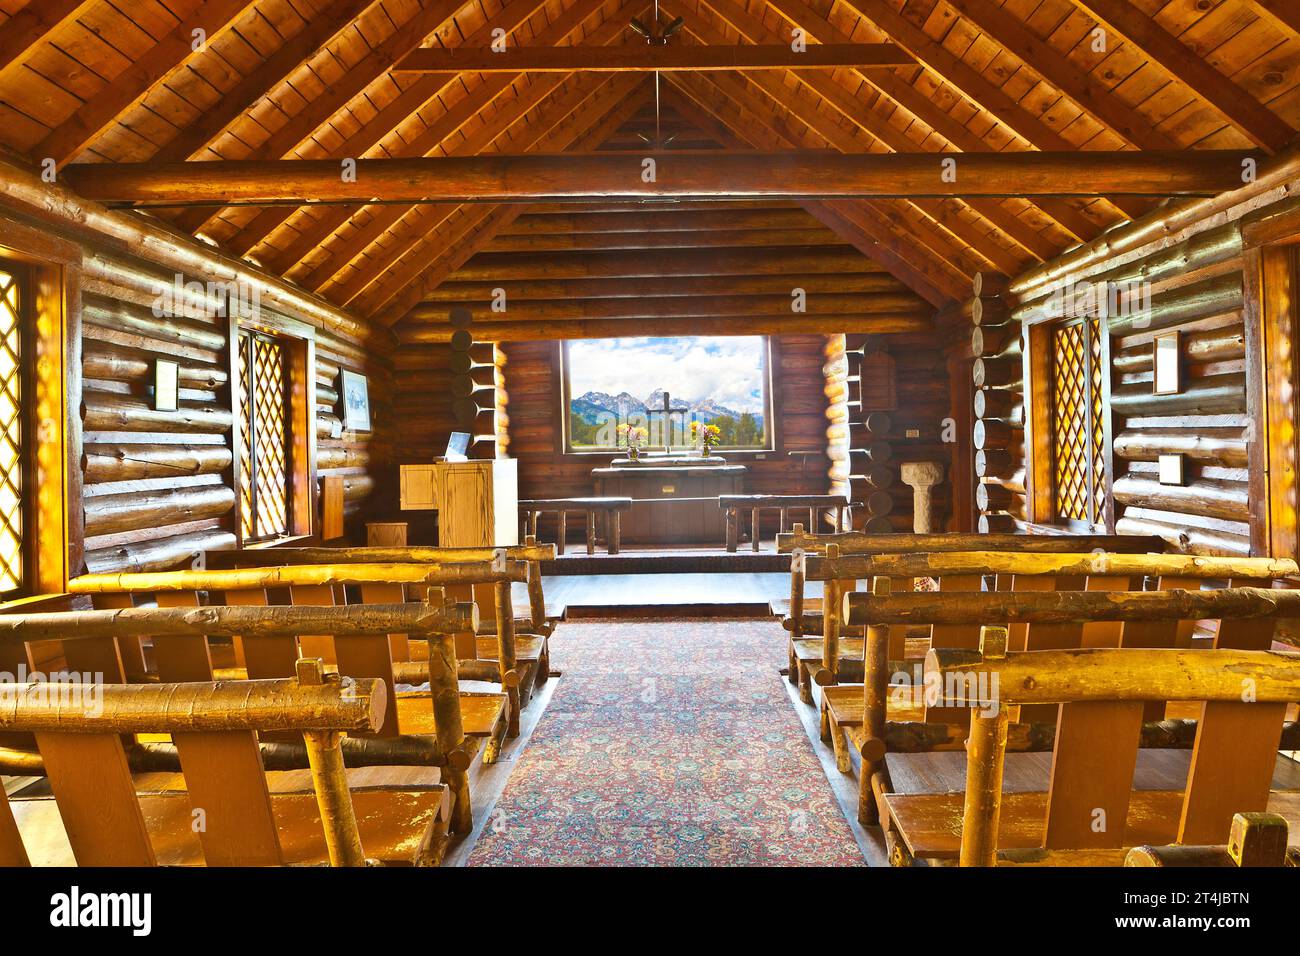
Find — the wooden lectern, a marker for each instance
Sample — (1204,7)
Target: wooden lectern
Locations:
(478,506)
(478,502)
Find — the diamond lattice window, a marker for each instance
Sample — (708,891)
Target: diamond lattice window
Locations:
(264,446)
(11,433)
(1078,421)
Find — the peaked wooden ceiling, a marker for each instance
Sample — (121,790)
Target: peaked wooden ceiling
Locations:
(94,81)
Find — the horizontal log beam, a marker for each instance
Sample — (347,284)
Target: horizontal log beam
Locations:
(240,621)
(855,542)
(478,294)
(238,579)
(171,708)
(853,567)
(598,177)
(644,58)
(854,305)
(884,322)
(1114,674)
(1066,607)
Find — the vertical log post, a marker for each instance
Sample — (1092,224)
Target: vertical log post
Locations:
(922,476)
(330,781)
(506,650)
(591,531)
(733,529)
(448,727)
(615,534)
(875,704)
(754,518)
(986,750)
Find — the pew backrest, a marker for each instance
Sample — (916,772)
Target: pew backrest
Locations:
(215,727)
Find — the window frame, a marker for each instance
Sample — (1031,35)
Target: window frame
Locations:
(55,521)
(298,343)
(1040,440)
(770,405)
(28,477)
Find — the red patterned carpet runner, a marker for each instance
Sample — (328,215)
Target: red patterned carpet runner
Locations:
(668,743)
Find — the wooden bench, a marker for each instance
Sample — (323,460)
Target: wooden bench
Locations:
(834,506)
(96,809)
(801,616)
(917,726)
(858,542)
(531,633)
(482,718)
(1256,839)
(610,508)
(1091,814)
(1096,745)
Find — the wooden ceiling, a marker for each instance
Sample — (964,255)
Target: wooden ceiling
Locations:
(127,81)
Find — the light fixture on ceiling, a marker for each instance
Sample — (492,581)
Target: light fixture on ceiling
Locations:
(657,35)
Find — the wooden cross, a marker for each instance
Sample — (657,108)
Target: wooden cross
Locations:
(667,411)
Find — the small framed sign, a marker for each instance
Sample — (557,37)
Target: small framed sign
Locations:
(1172,468)
(166,385)
(1167,362)
(356,401)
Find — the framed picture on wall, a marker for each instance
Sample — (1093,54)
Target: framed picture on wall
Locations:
(166,385)
(356,401)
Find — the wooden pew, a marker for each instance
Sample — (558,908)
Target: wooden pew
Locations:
(835,506)
(530,635)
(859,713)
(801,616)
(1256,839)
(611,508)
(483,718)
(95,805)
(1096,747)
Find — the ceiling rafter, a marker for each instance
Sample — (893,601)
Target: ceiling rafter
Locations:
(1015,37)
(941,211)
(644,58)
(212,17)
(593,128)
(1247,114)
(31,26)
(316,234)
(973,86)
(923,270)
(373,134)
(888,83)
(319,111)
(384,218)
(966,260)
(1284,13)
(317,33)
(420,225)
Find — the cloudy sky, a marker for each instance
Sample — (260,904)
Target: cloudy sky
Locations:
(727,369)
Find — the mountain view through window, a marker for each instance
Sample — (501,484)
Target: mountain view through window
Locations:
(714,380)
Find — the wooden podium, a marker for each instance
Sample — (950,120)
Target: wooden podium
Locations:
(478,507)
(478,503)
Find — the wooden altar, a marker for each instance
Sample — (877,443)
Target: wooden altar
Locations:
(674,498)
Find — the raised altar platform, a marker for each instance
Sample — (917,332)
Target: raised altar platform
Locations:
(674,497)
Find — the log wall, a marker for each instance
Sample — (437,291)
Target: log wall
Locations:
(1188,276)
(157,486)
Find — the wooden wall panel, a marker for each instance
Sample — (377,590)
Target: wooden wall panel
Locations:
(158,486)
(1191,282)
